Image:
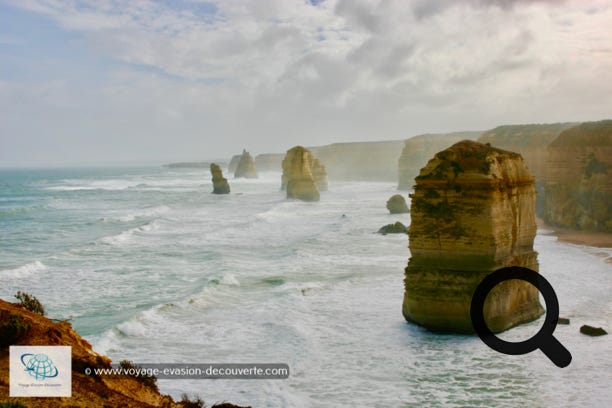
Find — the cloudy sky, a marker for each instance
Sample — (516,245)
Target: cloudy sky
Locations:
(95,82)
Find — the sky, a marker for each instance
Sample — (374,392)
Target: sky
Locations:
(134,82)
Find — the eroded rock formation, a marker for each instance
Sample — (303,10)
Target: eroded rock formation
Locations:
(19,326)
(233,164)
(531,142)
(220,184)
(418,149)
(397,228)
(319,174)
(396,204)
(579,178)
(297,176)
(246,166)
(473,212)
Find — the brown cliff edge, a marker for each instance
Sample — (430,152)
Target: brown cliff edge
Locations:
(87,391)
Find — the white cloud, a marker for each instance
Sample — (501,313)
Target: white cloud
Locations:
(273,73)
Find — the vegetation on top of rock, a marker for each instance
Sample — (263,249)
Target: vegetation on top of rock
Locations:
(145,379)
(524,135)
(12,404)
(590,133)
(30,302)
(13,328)
(187,402)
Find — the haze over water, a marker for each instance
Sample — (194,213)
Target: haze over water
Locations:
(151,267)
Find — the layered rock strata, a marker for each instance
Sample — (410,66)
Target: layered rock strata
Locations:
(319,173)
(396,204)
(473,212)
(297,176)
(579,178)
(531,142)
(246,166)
(418,149)
(220,184)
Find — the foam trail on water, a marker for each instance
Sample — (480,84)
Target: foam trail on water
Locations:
(24,270)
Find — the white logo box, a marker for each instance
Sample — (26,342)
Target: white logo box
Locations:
(40,371)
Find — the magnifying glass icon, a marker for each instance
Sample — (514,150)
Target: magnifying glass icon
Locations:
(543,339)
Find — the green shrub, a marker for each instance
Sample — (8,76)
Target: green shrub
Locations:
(147,380)
(30,302)
(12,404)
(13,328)
(187,402)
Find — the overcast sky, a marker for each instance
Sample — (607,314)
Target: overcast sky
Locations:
(146,81)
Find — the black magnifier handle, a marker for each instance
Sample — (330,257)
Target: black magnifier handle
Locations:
(556,352)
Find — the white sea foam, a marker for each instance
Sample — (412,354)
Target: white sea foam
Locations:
(132,329)
(24,270)
(127,235)
(140,213)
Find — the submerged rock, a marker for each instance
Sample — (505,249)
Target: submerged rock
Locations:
(579,178)
(563,320)
(220,184)
(297,176)
(246,166)
(397,204)
(397,228)
(473,212)
(592,331)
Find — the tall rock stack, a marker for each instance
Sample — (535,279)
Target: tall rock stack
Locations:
(246,166)
(319,174)
(220,184)
(297,176)
(579,178)
(473,212)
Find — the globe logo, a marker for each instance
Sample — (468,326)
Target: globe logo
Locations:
(39,366)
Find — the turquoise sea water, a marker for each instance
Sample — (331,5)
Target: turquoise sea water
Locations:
(149,266)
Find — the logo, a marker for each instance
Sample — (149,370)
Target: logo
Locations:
(40,371)
(39,366)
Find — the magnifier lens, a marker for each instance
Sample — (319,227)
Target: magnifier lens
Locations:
(523,292)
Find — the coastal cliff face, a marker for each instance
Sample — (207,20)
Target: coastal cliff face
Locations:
(579,178)
(473,212)
(363,161)
(297,176)
(233,164)
(246,166)
(269,162)
(531,142)
(220,184)
(87,390)
(319,173)
(418,149)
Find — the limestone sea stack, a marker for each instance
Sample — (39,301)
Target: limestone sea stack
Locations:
(297,176)
(220,184)
(319,174)
(579,178)
(246,166)
(396,204)
(473,212)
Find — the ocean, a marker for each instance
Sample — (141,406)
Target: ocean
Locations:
(149,266)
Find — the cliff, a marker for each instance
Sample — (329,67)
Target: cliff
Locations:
(297,176)
(418,149)
(220,184)
(531,142)
(473,212)
(319,173)
(233,164)
(362,161)
(269,162)
(246,166)
(19,326)
(579,179)
(87,391)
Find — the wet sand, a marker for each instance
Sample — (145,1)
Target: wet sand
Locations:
(592,239)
